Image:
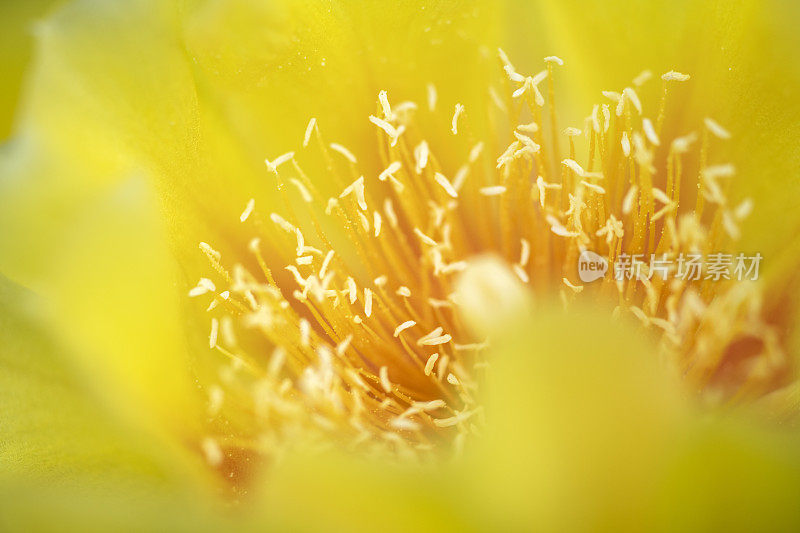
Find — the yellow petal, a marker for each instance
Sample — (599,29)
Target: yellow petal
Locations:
(730,475)
(16,44)
(108,281)
(57,429)
(580,416)
(98,125)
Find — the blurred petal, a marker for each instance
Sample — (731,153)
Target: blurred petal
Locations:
(77,189)
(16,44)
(579,418)
(62,451)
(358,494)
(730,475)
(108,283)
(121,108)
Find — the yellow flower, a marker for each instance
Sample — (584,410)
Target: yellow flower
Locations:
(355,318)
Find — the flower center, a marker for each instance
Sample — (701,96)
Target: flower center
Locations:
(341,325)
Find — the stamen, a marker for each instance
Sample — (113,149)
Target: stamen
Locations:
(301,188)
(247,210)
(633,98)
(493,191)
(626,144)
(305,333)
(404,326)
(718,131)
(278,161)
(385,383)
(204,286)
(367,302)
(424,238)
(309,130)
(344,151)
(212,337)
(458,111)
(212,452)
(642,78)
(446,185)
(675,76)
(432,97)
(387,109)
(650,132)
(435,341)
(431,363)
(359,274)
(421,155)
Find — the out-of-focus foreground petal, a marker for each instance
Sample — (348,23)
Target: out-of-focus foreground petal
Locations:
(16,43)
(585,431)
(68,462)
(88,232)
(581,422)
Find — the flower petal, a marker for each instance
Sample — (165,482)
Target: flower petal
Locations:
(106,276)
(583,425)
(581,415)
(57,425)
(99,123)
(16,43)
